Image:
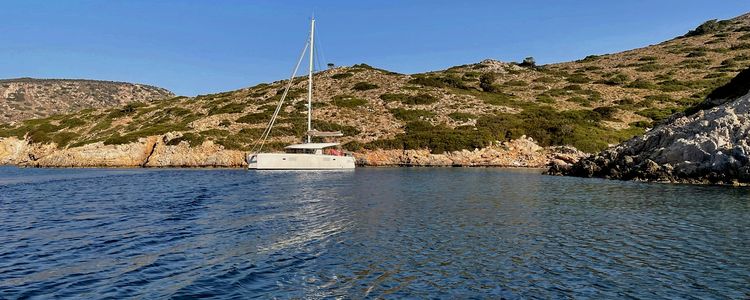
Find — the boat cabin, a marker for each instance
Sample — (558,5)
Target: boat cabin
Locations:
(315,148)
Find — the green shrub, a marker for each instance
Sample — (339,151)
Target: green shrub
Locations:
(672,86)
(193,139)
(342,75)
(225,123)
(543,98)
(348,101)
(353,146)
(231,108)
(498,99)
(741,46)
(580,100)
(254,118)
(657,114)
(437,81)
(327,126)
(647,58)
(695,63)
(486,82)
(737,87)
(641,124)
(711,26)
(590,58)
(616,79)
(419,99)
(363,86)
(72,123)
(117,139)
(659,98)
(545,79)
(516,83)
(696,54)
(641,83)
(650,67)
(607,112)
(214,133)
(126,110)
(462,116)
(578,78)
(410,114)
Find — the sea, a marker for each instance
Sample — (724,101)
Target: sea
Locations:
(382,233)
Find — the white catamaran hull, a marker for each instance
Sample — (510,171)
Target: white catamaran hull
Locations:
(299,161)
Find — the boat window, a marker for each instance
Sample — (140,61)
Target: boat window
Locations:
(304,151)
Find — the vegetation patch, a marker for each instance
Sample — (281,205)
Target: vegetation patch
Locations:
(615,79)
(348,101)
(641,83)
(342,75)
(578,78)
(709,27)
(438,81)
(649,67)
(410,114)
(364,86)
(658,114)
(547,126)
(516,83)
(193,139)
(419,99)
(231,108)
(462,116)
(254,118)
(545,79)
(328,126)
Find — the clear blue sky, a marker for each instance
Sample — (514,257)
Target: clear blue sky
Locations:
(198,47)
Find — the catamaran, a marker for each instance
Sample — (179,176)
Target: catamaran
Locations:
(308,155)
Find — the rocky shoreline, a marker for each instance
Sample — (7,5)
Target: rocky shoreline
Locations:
(155,151)
(708,147)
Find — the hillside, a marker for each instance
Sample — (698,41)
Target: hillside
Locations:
(27,98)
(590,104)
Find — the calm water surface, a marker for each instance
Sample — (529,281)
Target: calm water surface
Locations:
(390,233)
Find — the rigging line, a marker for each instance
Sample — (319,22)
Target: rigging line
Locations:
(319,50)
(267,131)
(317,57)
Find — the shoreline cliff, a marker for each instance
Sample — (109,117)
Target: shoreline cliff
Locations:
(156,152)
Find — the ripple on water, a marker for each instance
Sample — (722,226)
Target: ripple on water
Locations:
(392,233)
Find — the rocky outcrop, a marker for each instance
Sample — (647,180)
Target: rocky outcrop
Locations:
(156,151)
(99,155)
(207,154)
(523,153)
(14,151)
(152,151)
(708,147)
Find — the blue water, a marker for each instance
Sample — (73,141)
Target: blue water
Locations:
(390,233)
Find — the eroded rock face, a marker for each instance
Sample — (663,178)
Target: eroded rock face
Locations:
(206,155)
(14,151)
(155,151)
(710,146)
(99,155)
(523,152)
(152,151)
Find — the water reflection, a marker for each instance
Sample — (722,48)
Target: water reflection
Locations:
(400,232)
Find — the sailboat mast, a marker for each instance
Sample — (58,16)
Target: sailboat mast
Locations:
(310,81)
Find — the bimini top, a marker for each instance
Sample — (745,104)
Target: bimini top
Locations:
(311,146)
